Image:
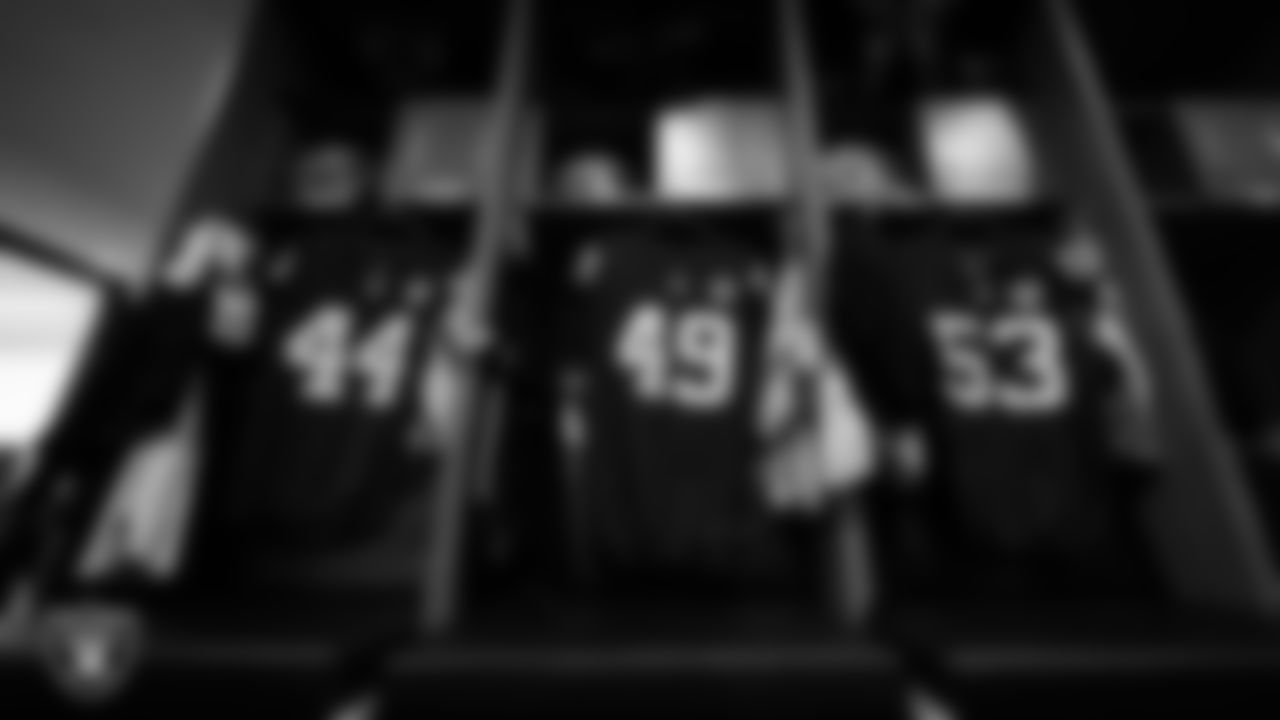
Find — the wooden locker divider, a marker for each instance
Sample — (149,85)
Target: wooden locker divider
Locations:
(811,242)
(1207,533)
(448,508)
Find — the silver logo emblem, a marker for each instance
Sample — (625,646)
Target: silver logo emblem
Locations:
(90,652)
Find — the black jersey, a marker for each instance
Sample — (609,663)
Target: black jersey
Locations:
(666,333)
(1023,383)
(315,359)
(317,420)
(307,339)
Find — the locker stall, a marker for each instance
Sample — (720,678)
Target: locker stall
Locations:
(639,84)
(1101,75)
(244,649)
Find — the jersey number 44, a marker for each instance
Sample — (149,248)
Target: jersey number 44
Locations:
(330,355)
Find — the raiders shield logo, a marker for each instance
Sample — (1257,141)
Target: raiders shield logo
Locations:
(90,652)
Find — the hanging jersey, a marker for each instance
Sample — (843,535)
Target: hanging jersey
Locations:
(316,464)
(666,338)
(1024,386)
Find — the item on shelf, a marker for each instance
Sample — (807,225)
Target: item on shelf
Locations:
(977,151)
(595,177)
(436,150)
(330,176)
(861,174)
(721,149)
(1234,147)
(435,155)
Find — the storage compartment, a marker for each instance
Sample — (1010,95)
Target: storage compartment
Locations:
(1199,129)
(925,105)
(648,103)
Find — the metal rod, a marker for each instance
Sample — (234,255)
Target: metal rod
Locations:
(811,244)
(448,507)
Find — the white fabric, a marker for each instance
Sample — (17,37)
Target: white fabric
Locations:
(144,521)
(847,435)
(818,438)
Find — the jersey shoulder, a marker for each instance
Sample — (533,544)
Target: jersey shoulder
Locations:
(208,249)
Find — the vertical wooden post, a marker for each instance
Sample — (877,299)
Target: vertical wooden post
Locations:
(1208,533)
(852,574)
(479,289)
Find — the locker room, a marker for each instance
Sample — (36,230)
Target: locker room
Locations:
(405,358)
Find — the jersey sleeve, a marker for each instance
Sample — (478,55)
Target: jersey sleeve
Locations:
(215,272)
(212,249)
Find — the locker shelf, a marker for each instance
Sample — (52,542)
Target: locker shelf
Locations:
(1037,214)
(761,224)
(1110,665)
(641,210)
(830,676)
(206,678)
(1201,210)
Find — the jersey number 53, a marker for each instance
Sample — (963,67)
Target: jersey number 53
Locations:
(1037,381)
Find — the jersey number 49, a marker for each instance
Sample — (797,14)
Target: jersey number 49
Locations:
(687,358)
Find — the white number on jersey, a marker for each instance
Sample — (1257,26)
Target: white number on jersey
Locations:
(687,358)
(325,354)
(968,375)
(317,350)
(642,351)
(1042,383)
(382,359)
(706,348)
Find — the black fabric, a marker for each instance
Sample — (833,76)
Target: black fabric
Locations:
(666,481)
(1033,476)
(1017,501)
(306,486)
(319,495)
(129,386)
